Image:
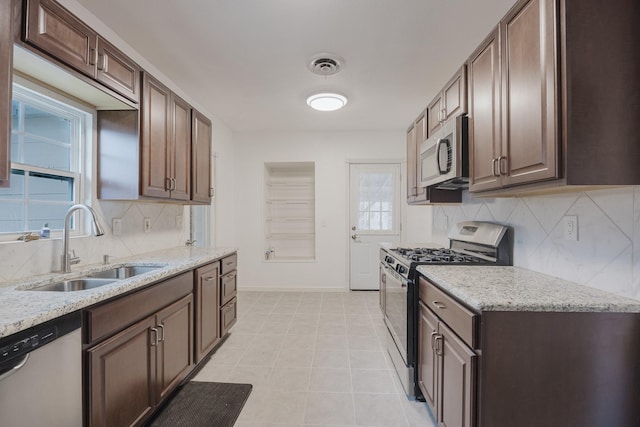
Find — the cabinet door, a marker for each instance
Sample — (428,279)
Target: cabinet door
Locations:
(434,115)
(117,71)
(207,309)
(122,371)
(454,95)
(530,94)
(484,115)
(456,394)
(175,346)
(228,316)
(427,361)
(6,71)
(180,149)
(421,132)
(412,162)
(201,153)
(155,130)
(51,28)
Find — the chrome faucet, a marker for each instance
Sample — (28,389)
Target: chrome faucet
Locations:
(97,231)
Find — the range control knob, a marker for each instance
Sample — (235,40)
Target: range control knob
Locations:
(401,269)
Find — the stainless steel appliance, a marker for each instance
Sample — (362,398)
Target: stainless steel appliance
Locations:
(41,375)
(444,159)
(470,243)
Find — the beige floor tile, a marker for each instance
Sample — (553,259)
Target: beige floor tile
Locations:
(361,359)
(213,373)
(365,342)
(254,375)
(330,380)
(329,409)
(290,379)
(383,410)
(372,381)
(331,342)
(293,341)
(331,359)
(259,358)
(418,414)
(295,358)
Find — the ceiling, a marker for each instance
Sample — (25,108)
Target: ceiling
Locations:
(245,61)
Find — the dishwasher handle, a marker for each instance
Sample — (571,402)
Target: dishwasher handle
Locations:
(15,368)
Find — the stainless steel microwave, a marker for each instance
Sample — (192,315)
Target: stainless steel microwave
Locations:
(444,156)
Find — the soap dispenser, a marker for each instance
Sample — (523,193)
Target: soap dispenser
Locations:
(45,233)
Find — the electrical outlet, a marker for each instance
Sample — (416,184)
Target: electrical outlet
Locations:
(570,227)
(116,226)
(179,222)
(146,225)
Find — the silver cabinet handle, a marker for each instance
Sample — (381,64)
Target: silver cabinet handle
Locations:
(434,334)
(154,341)
(500,165)
(439,305)
(209,279)
(161,333)
(438,344)
(167,184)
(493,167)
(93,56)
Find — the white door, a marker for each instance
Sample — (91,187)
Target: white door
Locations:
(374,217)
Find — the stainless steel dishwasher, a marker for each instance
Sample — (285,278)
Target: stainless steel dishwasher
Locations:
(41,375)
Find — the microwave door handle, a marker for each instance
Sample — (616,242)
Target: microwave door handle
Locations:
(447,145)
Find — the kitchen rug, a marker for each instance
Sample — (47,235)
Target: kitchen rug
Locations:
(203,404)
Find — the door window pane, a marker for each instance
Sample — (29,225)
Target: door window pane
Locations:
(376,201)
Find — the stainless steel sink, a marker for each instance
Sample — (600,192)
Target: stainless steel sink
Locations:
(124,272)
(73,285)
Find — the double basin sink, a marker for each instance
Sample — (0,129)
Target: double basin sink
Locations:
(95,280)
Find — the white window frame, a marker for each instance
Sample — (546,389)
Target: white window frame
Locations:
(84,133)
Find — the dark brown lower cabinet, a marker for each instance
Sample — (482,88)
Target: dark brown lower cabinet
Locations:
(139,349)
(207,295)
(527,368)
(228,316)
(446,372)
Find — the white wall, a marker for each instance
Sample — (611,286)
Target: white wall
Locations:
(330,152)
(606,255)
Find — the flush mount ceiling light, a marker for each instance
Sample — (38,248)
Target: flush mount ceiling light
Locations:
(327,101)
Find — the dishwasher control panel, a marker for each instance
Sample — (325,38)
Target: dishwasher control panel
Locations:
(28,344)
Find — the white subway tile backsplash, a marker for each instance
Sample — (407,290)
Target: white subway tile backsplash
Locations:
(606,254)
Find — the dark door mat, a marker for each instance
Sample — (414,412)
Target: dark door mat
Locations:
(203,404)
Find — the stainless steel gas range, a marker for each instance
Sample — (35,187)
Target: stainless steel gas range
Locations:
(470,243)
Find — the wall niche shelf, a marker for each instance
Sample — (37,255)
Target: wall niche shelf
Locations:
(289,203)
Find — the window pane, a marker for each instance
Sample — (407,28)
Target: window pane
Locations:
(49,187)
(15,114)
(376,201)
(47,154)
(42,123)
(46,213)
(15,191)
(11,217)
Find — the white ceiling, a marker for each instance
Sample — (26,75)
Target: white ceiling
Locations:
(245,61)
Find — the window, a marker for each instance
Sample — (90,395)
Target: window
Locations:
(376,197)
(47,141)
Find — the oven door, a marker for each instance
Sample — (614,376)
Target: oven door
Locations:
(396,302)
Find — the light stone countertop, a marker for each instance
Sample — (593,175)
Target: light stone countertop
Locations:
(491,288)
(20,309)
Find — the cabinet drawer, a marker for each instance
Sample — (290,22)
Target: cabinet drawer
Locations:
(463,321)
(228,316)
(113,316)
(228,287)
(229,263)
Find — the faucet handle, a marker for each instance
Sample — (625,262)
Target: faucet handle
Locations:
(73,259)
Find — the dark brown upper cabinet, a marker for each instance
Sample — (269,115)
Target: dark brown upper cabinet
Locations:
(150,154)
(54,30)
(449,102)
(415,135)
(6,70)
(553,98)
(201,190)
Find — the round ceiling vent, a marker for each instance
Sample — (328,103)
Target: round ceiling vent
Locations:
(326,64)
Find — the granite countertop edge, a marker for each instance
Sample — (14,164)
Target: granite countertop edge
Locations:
(21,309)
(493,288)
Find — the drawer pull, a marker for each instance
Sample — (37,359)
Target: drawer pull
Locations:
(439,305)
(161,333)
(209,279)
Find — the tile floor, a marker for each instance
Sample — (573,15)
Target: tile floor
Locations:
(314,359)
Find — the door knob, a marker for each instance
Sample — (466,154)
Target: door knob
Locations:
(353,228)
(354,237)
